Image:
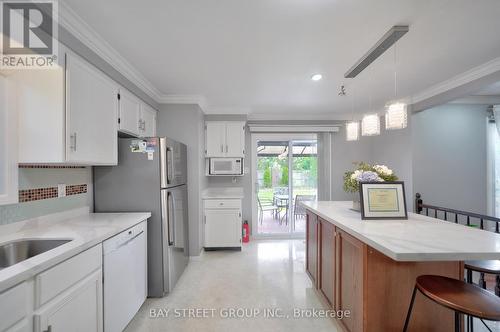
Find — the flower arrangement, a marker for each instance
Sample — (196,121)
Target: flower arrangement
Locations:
(366,173)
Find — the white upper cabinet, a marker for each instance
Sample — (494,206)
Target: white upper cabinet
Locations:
(8,145)
(235,139)
(129,115)
(215,139)
(67,115)
(136,118)
(91,114)
(225,139)
(148,121)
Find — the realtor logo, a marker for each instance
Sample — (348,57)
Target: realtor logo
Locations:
(29,34)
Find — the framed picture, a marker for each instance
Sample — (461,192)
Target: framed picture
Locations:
(383,200)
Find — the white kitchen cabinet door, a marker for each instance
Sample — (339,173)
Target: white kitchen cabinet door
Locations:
(148,121)
(235,139)
(8,145)
(91,114)
(40,107)
(222,228)
(79,309)
(129,113)
(215,139)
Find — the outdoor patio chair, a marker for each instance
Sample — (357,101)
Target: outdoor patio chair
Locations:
(267,206)
(299,210)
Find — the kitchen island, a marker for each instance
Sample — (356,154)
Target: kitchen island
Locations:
(369,267)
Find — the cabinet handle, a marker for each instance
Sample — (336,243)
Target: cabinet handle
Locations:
(227,149)
(222,148)
(72,144)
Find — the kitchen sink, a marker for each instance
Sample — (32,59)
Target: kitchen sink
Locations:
(17,251)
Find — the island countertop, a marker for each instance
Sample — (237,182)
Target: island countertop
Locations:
(419,238)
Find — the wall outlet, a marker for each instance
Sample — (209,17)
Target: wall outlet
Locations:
(61,190)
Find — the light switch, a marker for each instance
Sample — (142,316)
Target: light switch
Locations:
(61,190)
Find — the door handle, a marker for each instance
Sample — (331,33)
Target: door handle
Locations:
(72,139)
(222,148)
(170,220)
(227,148)
(170,167)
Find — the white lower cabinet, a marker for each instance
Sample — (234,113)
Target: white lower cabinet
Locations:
(78,309)
(222,223)
(65,298)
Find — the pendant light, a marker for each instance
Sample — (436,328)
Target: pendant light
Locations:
(370,125)
(352,127)
(396,115)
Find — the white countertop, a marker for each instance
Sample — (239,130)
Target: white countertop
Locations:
(419,238)
(85,230)
(221,193)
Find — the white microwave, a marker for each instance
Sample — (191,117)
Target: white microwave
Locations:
(225,166)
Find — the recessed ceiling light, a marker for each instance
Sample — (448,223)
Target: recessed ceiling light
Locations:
(316,77)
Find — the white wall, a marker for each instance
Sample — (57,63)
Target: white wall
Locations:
(184,123)
(450,155)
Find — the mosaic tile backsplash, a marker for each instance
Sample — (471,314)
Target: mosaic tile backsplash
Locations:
(38,192)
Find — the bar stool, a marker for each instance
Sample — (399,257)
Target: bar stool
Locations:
(457,295)
(489,267)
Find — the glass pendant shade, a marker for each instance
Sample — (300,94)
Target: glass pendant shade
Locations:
(352,131)
(370,125)
(396,116)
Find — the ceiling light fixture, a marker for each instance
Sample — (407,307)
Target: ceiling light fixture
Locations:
(370,125)
(378,49)
(316,77)
(352,131)
(351,127)
(396,115)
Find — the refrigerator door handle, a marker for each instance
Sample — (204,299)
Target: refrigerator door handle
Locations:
(171,221)
(170,168)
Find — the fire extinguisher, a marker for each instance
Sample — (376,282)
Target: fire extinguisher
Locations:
(246,232)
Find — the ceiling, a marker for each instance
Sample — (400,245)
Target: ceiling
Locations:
(258,56)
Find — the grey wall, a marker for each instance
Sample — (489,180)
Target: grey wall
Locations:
(343,155)
(450,156)
(185,124)
(32,178)
(393,148)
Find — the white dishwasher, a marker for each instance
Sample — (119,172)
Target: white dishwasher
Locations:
(125,276)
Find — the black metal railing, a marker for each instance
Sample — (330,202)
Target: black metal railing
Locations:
(459,217)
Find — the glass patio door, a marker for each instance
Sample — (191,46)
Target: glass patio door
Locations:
(285,173)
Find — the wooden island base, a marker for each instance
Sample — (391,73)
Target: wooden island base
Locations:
(373,287)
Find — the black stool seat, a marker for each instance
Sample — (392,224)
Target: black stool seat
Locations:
(491,266)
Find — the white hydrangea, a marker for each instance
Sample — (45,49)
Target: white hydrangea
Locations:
(356,174)
(382,169)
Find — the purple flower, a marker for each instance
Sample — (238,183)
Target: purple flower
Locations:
(369,176)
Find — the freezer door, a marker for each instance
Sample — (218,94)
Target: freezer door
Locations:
(174,215)
(173,160)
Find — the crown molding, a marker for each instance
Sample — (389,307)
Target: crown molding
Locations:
(199,100)
(478,100)
(476,73)
(74,24)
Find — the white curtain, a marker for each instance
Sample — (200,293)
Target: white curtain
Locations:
(496,114)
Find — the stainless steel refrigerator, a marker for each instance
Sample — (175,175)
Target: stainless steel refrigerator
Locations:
(151,176)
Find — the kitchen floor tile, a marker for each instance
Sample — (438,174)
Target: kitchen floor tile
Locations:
(266,274)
